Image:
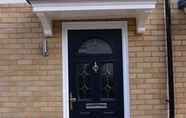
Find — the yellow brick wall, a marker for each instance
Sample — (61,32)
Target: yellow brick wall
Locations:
(31,85)
(179,41)
(148,68)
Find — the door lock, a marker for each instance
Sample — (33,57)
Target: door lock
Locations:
(72,100)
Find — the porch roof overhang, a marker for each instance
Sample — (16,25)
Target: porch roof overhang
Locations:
(48,10)
(182,4)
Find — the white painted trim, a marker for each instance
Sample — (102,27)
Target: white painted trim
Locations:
(140,22)
(12,1)
(46,24)
(126,9)
(95,25)
(50,7)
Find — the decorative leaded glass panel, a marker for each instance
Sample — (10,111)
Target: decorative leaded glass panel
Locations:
(108,82)
(83,80)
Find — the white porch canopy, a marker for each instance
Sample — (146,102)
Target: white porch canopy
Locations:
(48,10)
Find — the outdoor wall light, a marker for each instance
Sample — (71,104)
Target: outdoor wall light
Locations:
(44,47)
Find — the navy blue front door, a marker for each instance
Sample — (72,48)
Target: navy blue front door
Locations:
(95,74)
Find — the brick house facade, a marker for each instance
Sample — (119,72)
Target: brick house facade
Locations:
(31,85)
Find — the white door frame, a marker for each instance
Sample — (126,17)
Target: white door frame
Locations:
(94,25)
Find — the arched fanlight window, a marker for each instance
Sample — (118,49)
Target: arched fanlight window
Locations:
(95,46)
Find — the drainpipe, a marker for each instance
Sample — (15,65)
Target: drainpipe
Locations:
(170,74)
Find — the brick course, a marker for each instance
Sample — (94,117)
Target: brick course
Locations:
(30,85)
(179,39)
(148,68)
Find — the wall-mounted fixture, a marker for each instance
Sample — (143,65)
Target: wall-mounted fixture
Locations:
(182,4)
(44,47)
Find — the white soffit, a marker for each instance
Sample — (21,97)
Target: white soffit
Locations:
(11,1)
(103,9)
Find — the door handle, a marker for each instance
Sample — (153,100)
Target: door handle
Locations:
(72,100)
